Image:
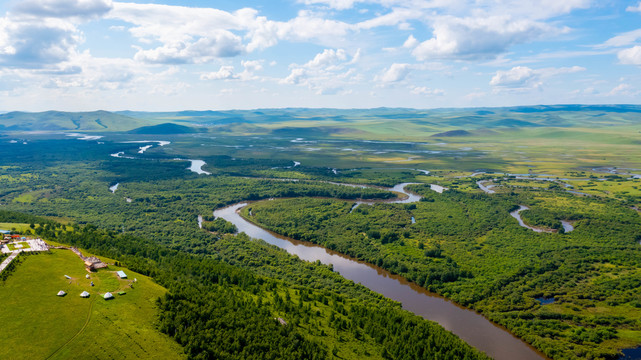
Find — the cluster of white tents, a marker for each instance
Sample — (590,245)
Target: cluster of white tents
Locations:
(85,294)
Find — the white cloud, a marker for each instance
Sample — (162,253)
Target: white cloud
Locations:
(327,73)
(524,78)
(517,77)
(623,39)
(422,90)
(28,42)
(218,45)
(252,65)
(334,4)
(396,16)
(297,76)
(327,57)
(181,28)
(479,37)
(631,56)
(634,8)
(224,73)
(623,90)
(411,42)
(63,8)
(227,72)
(395,73)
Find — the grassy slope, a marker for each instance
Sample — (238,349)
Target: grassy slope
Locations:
(19,227)
(77,121)
(42,324)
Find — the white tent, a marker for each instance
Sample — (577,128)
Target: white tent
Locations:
(84,294)
(108,296)
(87,276)
(61,293)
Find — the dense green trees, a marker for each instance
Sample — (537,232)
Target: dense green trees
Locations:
(466,247)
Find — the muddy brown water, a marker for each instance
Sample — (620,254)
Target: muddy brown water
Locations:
(470,326)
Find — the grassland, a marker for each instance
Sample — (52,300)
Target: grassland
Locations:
(20,228)
(42,325)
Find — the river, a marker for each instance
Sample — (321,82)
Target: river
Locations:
(470,326)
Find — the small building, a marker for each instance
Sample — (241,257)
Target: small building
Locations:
(108,296)
(93,263)
(61,293)
(121,274)
(84,294)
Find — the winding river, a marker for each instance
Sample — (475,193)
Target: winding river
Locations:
(470,326)
(567,225)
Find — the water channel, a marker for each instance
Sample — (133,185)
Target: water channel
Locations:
(470,326)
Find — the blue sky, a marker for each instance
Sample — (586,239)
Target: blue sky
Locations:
(81,55)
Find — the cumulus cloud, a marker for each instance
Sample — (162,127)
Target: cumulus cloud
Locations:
(227,72)
(411,42)
(327,57)
(182,30)
(219,44)
(36,43)
(64,8)
(224,73)
(524,78)
(395,73)
(517,77)
(478,37)
(327,73)
(631,56)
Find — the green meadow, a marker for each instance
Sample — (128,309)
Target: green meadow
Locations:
(41,325)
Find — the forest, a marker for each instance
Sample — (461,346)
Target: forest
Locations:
(227,291)
(221,311)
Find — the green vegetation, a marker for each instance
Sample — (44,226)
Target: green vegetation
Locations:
(16,227)
(219,310)
(464,245)
(42,324)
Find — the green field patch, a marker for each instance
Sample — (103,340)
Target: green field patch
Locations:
(42,324)
(19,227)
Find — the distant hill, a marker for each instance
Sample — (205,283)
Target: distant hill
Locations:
(60,120)
(453,133)
(308,122)
(166,128)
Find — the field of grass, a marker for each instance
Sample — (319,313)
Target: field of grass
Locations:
(21,228)
(43,325)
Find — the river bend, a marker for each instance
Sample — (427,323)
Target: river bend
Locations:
(470,326)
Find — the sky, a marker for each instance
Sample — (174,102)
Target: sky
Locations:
(83,55)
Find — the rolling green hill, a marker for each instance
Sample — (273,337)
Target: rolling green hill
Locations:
(337,122)
(76,121)
(42,325)
(161,129)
